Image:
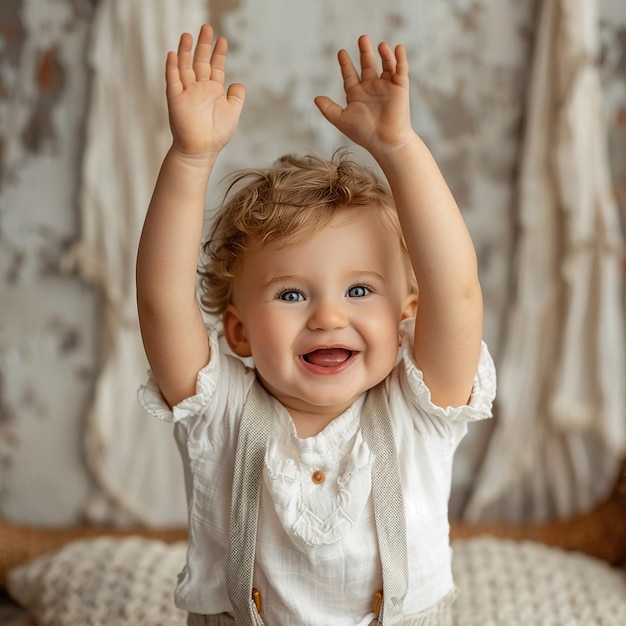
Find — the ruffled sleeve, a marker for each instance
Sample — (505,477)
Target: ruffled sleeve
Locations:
(483,391)
(150,398)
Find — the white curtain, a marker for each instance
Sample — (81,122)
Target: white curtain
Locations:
(132,456)
(561,430)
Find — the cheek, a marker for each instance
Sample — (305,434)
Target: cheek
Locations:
(382,332)
(270,334)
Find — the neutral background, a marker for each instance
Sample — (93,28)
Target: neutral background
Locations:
(469,63)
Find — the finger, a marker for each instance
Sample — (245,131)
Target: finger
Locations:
(369,65)
(348,70)
(329,109)
(173,86)
(236,95)
(388,59)
(202,54)
(185,62)
(402,63)
(218,60)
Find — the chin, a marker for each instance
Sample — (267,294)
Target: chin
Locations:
(332,400)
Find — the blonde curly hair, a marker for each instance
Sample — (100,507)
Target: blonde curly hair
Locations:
(292,199)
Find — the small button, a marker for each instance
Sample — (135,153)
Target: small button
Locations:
(318,477)
(378,602)
(256,597)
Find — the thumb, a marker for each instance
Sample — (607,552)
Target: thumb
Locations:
(329,109)
(236,94)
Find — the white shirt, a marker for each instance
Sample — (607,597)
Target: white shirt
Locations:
(317,556)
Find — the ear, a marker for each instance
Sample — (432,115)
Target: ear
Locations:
(235,332)
(409,309)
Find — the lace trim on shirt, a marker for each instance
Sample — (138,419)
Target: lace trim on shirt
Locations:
(483,391)
(317,497)
(150,398)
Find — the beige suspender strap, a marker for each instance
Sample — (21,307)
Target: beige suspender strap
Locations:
(389,510)
(254,431)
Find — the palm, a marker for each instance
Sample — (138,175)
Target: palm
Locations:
(203,117)
(373,112)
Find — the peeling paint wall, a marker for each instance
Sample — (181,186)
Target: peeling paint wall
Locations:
(613,62)
(48,320)
(469,61)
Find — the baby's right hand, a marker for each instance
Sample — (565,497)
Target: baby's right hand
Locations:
(202,116)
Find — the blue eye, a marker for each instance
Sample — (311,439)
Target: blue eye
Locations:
(291,295)
(358,291)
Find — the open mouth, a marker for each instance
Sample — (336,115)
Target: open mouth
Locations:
(328,357)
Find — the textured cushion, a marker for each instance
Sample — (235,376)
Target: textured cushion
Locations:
(104,581)
(130,581)
(503,582)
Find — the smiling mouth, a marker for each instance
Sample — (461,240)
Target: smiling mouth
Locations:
(328,357)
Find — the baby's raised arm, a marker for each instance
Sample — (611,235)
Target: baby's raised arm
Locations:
(203,117)
(448,328)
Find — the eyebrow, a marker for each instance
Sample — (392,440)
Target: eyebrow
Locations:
(298,278)
(370,273)
(283,278)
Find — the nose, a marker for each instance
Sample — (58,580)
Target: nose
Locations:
(327,315)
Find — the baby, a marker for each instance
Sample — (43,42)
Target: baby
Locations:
(318,479)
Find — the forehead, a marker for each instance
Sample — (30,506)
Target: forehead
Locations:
(355,240)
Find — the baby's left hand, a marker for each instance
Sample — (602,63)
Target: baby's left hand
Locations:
(377,112)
